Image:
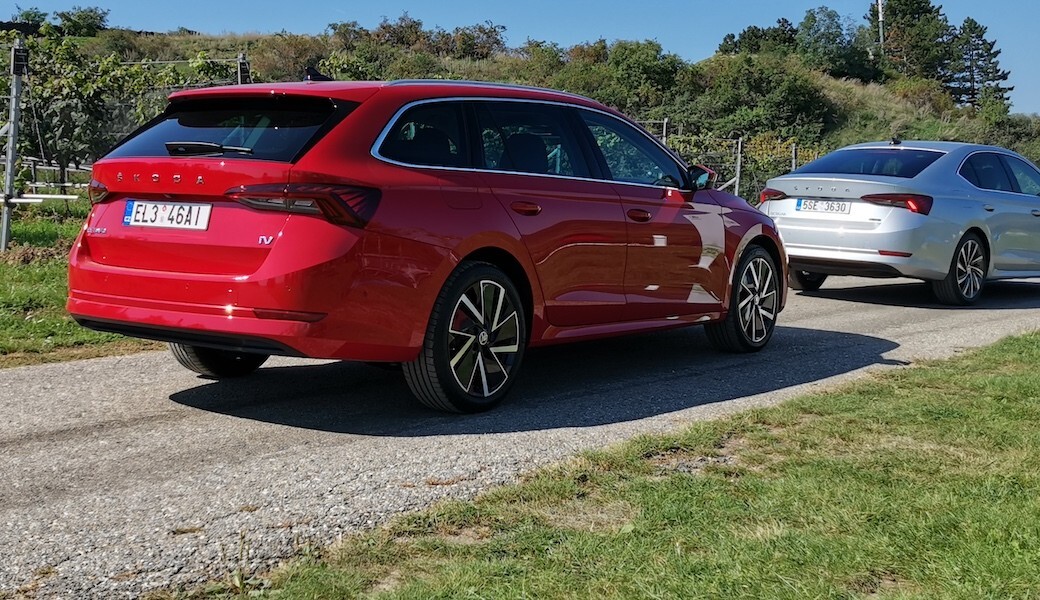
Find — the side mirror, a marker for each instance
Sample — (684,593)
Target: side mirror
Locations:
(702,177)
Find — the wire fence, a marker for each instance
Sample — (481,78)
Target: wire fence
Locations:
(743,165)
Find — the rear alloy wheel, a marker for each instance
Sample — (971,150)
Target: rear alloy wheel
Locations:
(963,285)
(804,280)
(474,343)
(754,303)
(217,364)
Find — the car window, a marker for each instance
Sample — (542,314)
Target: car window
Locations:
(630,156)
(276,129)
(894,162)
(967,171)
(1025,175)
(989,173)
(528,138)
(427,134)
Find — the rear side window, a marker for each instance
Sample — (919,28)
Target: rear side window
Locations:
(893,162)
(277,129)
(427,134)
(984,170)
(1025,175)
(528,137)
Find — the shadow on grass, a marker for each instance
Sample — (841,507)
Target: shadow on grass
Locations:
(576,385)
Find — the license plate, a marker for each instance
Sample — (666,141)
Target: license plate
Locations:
(171,215)
(842,207)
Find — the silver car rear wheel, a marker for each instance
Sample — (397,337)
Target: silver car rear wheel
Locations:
(963,285)
(805,280)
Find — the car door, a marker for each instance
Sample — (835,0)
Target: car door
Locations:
(572,225)
(1014,229)
(674,234)
(1024,238)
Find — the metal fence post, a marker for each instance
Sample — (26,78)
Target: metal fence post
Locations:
(794,155)
(740,161)
(19,65)
(243,69)
(664,131)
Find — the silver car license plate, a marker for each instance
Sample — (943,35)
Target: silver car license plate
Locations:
(841,207)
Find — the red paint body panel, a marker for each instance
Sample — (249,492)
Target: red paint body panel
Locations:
(590,270)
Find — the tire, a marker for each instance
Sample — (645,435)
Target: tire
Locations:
(217,364)
(474,342)
(753,306)
(805,281)
(963,285)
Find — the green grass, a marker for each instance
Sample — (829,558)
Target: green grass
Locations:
(918,483)
(32,310)
(34,326)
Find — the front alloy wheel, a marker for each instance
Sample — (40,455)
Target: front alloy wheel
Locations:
(474,343)
(754,304)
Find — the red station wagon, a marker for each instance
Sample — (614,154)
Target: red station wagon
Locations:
(445,226)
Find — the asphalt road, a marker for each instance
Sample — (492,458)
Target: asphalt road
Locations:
(122,474)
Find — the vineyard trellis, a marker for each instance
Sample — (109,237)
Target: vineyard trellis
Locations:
(63,119)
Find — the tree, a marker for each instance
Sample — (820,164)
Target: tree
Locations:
(975,68)
(831,42)
(33,15)
(917,38)
(348,33)
(755,39)
(82,22)
(478,42)
(405,32)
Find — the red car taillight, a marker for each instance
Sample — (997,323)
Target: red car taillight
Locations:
(770,194)
(96,191)
(917,203)
(339,204)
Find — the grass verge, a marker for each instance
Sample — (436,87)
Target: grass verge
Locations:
(34,327)
(917,483)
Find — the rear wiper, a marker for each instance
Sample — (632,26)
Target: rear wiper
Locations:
(202,149)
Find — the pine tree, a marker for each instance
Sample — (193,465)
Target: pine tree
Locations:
(975,68)
(917,38)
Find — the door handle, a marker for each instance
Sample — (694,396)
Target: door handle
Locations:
(987,207)
(638,214)
(1035,212)
(528,209)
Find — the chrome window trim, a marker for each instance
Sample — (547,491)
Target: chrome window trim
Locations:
(374,151)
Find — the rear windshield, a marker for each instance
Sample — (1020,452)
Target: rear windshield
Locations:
(277,128)
(894,162)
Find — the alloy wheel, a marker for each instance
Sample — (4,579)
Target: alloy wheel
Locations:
(970,268)
(757,299)
(483,339)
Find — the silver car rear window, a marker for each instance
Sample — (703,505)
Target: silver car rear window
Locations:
(893,162)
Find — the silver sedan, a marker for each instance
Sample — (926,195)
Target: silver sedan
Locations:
(950,213)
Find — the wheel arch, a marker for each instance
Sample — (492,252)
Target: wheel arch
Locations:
(508,264)
(985,245)
(766,238)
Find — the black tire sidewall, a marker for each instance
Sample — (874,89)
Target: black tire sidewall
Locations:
(473,273)
(734,312)
(805,280)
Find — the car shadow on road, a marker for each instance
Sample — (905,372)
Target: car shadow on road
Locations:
(575,385)
(997,295)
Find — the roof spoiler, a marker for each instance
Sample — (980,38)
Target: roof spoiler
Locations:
(312,74)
